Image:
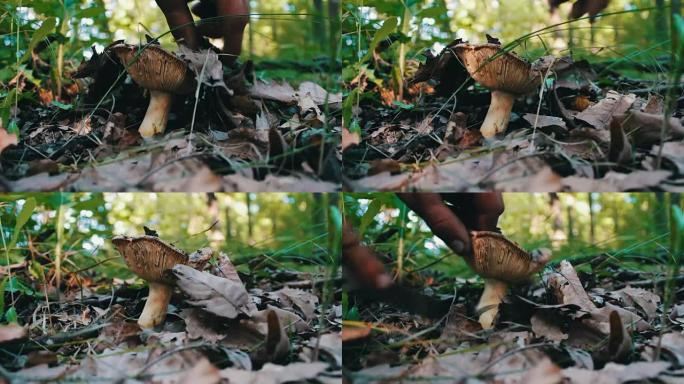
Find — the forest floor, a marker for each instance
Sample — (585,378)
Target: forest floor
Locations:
(596,128)
(270,325)
(598,319)
(248,130)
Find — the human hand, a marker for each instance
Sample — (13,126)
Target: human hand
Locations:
(452,215)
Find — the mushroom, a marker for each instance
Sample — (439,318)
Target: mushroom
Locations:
(505,74)
(501,262)
(149,258)
(160,72)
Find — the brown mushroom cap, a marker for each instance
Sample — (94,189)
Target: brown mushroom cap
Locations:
(507,72)
(496,257)
(155,69)
(149,257)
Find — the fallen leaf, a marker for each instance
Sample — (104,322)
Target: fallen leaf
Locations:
(645,301)
(545,324)
(83,126)
(616,182)
(318,94)
(290,298)
(330,344)
(672,344)
(542,121)
(645,129)
(12,332)
(673,153)
(197,325)
(7,139)
(206,65)
(349,138)
(545,372)
(202,373)
(616,373)
(351,333)
(274,374)
(600,114)
(282,92)
(216,295)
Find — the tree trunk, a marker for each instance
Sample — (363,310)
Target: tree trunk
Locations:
(229,224)
(660,213)
(250,36)
(660,20)
(334,27)
(592,219)
(571,223)
(250,219)
(556,217)
(318,24)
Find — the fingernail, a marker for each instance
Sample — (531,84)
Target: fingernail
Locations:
(457,246)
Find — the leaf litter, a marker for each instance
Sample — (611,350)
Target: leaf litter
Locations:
(226,139)
(218,329)
(576,137)
(556,331)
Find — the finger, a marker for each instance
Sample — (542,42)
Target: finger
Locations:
(489,207)
(443,222)
(478,211)
(360,264)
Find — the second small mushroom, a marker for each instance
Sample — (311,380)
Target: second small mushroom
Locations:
(505,74)
(501,263)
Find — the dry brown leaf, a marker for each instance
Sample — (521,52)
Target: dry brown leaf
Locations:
(542,121)
(349,138)
(645,301)
(216,295)
(545,324)
(318,94)
(545,372)
(282,92)
(206,66)
(330,344)
(568,289)
(197,325)
(673,152)
(616,373)
(600,114)
(202,373)
(7,139)
(274,374)
(12,332)
(644,128)
(287,319)
(290,298)
(351,333)
(672,344)
(616,182)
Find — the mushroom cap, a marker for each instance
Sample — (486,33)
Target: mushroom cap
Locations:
(507,72)
(149,257)
(496,257)
(154,68)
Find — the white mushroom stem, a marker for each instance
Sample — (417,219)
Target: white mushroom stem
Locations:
(157,114)
(154,312)
(499,114)
(488,307)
